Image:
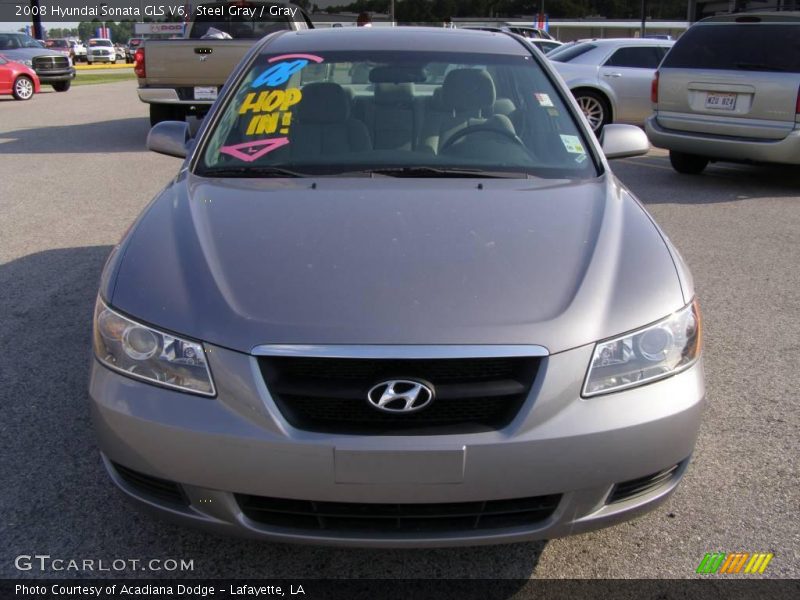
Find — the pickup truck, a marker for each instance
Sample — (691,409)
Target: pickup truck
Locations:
(184,76)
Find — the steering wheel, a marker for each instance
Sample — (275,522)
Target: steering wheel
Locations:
(473,129)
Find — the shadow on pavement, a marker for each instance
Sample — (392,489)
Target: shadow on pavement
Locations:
(57,500)
(119,135)
(654,181)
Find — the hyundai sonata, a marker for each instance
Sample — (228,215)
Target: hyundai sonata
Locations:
(394,296)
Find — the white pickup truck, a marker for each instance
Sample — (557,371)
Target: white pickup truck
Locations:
(184,76)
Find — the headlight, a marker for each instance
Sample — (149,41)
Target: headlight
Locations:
(27,62)
(651,353)
(146,353)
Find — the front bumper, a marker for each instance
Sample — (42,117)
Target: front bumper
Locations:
(785,151)
(239,443)
(47,77)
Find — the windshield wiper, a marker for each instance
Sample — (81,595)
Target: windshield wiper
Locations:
(746,66)
(252,171)
(446,172)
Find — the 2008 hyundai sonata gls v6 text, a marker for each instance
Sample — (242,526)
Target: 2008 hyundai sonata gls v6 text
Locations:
(395,297)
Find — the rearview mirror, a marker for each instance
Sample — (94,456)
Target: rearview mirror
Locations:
(622,141)
(170,138)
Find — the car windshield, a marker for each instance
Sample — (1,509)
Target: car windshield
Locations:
(398,114)
(13,41)
(56,44)
(100,42)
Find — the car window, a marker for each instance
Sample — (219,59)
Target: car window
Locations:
(738,46)
(639,57)
(340,112)
(239,26)
(2,60)
(569,52)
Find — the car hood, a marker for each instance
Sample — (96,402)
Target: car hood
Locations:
(243,262)
(29,53)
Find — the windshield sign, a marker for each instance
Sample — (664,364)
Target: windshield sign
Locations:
(395,113)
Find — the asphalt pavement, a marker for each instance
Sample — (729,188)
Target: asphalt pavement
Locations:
(74,174)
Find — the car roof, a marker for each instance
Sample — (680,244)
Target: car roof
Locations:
(751,17)
(426,39)
(627,41)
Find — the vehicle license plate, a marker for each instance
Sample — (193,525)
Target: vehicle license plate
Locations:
(205,93)
(721,101)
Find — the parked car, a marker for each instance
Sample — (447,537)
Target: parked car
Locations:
(78,50)
(544,45)
(100,50)
(730,90)
(523,30)
(61,45)
(611,78)
(52,68)
(386,314)
(17,79)
(179,77)
(131,47)
(119,52)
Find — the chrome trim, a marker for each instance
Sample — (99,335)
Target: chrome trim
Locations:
(399,351)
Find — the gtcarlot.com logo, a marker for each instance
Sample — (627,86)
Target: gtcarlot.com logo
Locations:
(47,563)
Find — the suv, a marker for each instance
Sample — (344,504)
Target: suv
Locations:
(730,90)
(52,68)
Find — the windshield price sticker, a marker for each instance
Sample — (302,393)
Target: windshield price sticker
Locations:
(573,144)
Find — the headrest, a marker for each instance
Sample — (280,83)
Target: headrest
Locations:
(323,102)
(503,106)
(468,89)
(394,94)
(397,74)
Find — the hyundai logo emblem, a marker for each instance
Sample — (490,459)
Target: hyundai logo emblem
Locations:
(401,396)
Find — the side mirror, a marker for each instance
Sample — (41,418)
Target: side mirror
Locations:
(170,138)
(622,141)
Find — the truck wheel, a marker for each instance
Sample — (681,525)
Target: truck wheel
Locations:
(165,112)
(688,164)
(62,86)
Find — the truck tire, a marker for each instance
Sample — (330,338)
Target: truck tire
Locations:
(62,86)
(165,112)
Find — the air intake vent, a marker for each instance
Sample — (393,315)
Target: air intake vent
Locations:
(343,517)
(161,490)
(638,487)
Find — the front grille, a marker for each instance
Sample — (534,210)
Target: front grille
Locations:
(330,394)
(158,489)
(50,63)
(641,486)
(400,518)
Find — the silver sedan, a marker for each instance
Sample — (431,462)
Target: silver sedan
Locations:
(611,78)
(416,312)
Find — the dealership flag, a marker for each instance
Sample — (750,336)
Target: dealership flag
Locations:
(104,32)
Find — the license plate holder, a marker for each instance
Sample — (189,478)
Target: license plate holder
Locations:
(721,100)
(205,93)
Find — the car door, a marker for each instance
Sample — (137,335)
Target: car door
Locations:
(629,72)
(5,76)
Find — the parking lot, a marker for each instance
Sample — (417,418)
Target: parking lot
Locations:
(75,174)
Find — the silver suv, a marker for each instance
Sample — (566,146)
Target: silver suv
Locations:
(730,90)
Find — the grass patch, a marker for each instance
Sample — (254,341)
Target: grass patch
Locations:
(85,78)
